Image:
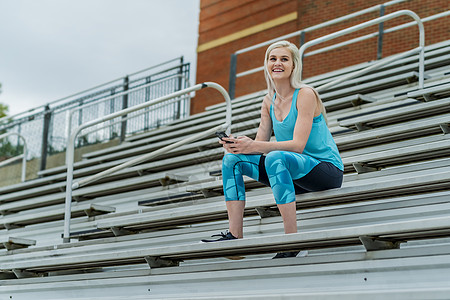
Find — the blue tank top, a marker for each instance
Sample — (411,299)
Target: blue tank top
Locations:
(320,144)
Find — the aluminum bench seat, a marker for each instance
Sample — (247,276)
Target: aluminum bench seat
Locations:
(352,138)
(394,72)
(389,170)
(185,129)
(30,184)
(385,275)
(406,130)
(432,55)
(431,93)
(115,188)
(385,103)
(376,85)
(172,160)
(212,142)
(8,201)
(356,190)
(251,123)
(214,187)
(216,114)
(375,157)
(404,209)
(168,199)
(85,193)
(396,115)
(335,121)
(241,101)
(100,159)
(349,101)
(18,220)
(132,149)
(383,235)
(12,243)
(146,148)
(392,151)
(314,218)
(187,149)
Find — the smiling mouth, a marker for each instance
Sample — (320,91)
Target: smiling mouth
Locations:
(277,70)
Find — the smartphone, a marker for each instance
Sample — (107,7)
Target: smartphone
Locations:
(222,134)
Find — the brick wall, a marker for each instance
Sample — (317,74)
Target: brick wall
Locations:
(229,25)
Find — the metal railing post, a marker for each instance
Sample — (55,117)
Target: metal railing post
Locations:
(380,34)
(45,134)
(123,128)
(68,199)
(70,186)
(302,38)
(180,72)
(232,83)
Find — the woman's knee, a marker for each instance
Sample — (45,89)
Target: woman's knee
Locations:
(273,157)
(229,160)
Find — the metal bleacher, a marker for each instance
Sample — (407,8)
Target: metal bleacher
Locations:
(136,233)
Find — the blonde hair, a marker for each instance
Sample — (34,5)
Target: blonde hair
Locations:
(295,79)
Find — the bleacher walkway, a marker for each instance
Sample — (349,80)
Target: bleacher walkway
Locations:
(136,233)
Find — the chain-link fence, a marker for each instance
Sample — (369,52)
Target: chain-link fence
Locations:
(46,128)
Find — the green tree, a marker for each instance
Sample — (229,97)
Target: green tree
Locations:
(3,110)
(6,148)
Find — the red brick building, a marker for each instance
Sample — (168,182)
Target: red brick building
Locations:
(227,26)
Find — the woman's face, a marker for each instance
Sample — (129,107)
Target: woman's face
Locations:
(280,64)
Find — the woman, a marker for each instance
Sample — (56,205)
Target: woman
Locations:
(304,156)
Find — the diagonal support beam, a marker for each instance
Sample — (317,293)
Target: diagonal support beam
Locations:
(120,231)
(158,262)
(265,212)
(25,274)
(13,243)
(445,128)
(372,243)
(364,168)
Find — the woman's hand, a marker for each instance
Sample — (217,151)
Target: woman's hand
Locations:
(239,145)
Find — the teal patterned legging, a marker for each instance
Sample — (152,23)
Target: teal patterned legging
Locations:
(287,173)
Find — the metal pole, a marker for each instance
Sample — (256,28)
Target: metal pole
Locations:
(380,34)
(123,129)
(232,83)
(68,201)
(302,38)
(180,72)
(45,131)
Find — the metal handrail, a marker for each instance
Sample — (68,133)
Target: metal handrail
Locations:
(374,34)
(72,112)
(352,41)
(302,32)
(90,89)
(70,186)
(23,156)
(420,49)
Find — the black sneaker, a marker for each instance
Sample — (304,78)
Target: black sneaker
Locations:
(286,254)
(223,237)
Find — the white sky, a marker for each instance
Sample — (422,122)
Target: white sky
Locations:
(50,49)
